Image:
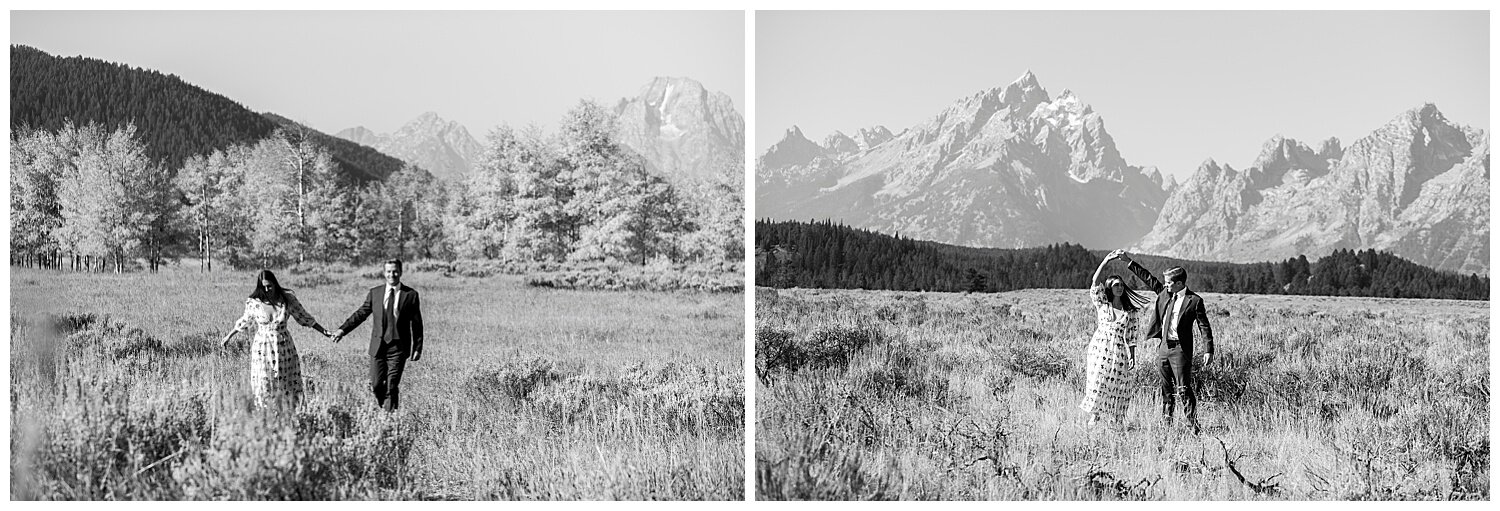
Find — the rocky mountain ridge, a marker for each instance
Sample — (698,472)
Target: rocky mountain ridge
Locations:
(684,131)
(1417,187)
(1006,167)
(442,147)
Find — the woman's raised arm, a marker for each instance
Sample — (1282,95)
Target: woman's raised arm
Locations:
(1095,280)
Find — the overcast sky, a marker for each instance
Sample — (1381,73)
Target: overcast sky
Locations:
(338,69)
(1174,88)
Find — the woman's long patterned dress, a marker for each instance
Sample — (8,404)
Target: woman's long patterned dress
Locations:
(275,369)
(1108,361)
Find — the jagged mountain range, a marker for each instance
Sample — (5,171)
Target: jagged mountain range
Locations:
(1007,167)
(442,147)
(1016,167)
(682,131)
(1417,187)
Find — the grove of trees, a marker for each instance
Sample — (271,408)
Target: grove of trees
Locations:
(89,197)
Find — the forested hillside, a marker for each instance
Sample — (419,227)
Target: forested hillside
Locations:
(173,119)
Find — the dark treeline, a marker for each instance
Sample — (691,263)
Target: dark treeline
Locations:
(175,120)
(828,255)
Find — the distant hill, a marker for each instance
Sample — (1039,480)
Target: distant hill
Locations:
(827,255)
(175,119)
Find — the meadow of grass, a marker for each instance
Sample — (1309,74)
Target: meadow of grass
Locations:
(899,395)
(119,391)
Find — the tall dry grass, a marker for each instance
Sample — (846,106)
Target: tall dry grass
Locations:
(119,391)
(893,395)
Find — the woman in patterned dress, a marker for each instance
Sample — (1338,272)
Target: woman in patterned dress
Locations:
(1111,352)
(275,369)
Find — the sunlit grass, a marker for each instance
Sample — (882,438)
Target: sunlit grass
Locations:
(119,392)
(951,396)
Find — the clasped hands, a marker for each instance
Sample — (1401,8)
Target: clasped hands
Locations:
(338,335)
(1118,254)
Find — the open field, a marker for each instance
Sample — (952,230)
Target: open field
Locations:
(899,395)
(118,391)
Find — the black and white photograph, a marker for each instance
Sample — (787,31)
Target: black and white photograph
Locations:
(1121,255)
(377,255)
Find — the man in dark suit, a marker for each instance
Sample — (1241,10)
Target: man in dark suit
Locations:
(395,334)
(1177,308)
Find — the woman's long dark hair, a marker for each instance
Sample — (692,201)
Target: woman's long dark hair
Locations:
(277,293)
(1133,301)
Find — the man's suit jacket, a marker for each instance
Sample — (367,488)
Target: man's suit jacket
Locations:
(408,319)
(1192,311)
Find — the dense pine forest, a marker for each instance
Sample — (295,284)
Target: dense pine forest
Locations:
(173,119)
(828,255)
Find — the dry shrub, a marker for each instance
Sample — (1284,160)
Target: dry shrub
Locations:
(512,382)
(816,470)
(639,278)
(315,454)
(829,346)
(99,445)
(901,369)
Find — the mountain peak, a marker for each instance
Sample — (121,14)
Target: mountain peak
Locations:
(793,133)
(437,145)
(684,131)
(1331,148)
(1027,79)
(793,149)
(427,121)
(1024,93)
(664,89)
(1426,114)
(838,142)
(868,138)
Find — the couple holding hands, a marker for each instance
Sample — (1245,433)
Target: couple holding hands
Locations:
(1111,351)
(275,368)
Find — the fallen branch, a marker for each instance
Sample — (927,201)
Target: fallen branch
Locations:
(160,461)
(1264,487)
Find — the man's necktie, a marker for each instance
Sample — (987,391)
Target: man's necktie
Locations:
(1169,329)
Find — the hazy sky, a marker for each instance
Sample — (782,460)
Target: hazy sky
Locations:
(338,69)
(1174,88)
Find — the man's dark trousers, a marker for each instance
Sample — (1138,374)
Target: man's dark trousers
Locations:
(385,375)
(1175,360)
